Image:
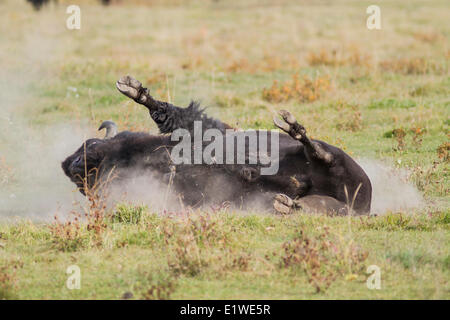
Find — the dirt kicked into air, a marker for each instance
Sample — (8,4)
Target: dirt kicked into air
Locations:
(32,183)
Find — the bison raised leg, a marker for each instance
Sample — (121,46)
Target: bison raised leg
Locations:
(313,149)
(167,116)
(309,204)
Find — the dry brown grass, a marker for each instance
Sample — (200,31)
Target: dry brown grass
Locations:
(68,235)
(417,137)
(268,63)
(399,134)
(351,56)
(8,278)
(191,242)
(410,66)
(158,289)
(350,117)
(126,121)
(428,37)
(87,225)
(323,257)
(305,90)
(443,151)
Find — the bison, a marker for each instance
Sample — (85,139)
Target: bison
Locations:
(38,4)
(312,175)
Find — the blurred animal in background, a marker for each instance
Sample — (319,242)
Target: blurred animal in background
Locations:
(38,4)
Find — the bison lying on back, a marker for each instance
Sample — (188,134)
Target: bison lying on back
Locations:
(312,174)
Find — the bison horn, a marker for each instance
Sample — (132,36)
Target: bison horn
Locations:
(111,129)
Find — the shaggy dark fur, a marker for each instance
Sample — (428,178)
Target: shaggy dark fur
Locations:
(140,152)
(169,117)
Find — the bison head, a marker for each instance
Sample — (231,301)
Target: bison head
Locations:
(101,160)
(84,165)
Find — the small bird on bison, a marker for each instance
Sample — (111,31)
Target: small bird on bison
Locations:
(312,175)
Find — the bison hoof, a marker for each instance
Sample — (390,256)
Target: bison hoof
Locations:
(290,125)
(283,204)
(132,88)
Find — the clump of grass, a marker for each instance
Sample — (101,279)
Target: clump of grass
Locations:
(323,257)
(239,65)
(430,178)
(239,261)
(188,257)
(351,117)
(443,151)
(156,78)
(69,235)
(87,225)
(417,138)
(391,104)
(402,222)
(194,62)
(160,291)
(399,134)
(409,66)
(352,56)
(196,243)
(429,37)
(8,279)
(412,259)
(268,63)
(227,100)
(129,214)
(421,91)
(189,247)
(305,90)
(324,57)
(158,288)
(96,215)
(206,230)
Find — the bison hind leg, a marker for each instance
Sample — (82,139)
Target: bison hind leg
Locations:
(312,204)
(321,204)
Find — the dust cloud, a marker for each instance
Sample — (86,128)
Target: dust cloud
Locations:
(391,189)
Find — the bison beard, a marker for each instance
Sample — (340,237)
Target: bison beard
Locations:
(312,175)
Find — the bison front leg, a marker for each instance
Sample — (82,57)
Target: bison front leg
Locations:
(313,149)
(167,116)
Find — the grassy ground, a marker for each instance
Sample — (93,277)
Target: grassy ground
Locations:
(224,255)
(376,94)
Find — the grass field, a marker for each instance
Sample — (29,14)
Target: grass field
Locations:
(377,94)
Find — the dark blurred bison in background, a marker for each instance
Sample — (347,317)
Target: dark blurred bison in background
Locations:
(37,4)
(312,174)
